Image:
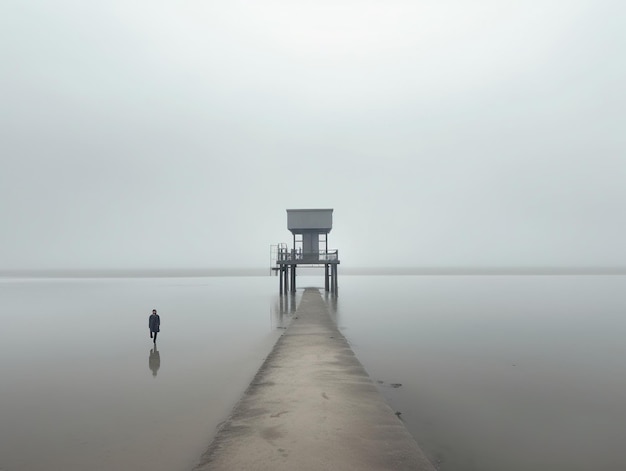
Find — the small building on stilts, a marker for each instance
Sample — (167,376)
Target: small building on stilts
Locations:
(310,228)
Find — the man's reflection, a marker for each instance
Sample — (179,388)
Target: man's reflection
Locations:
(154,362)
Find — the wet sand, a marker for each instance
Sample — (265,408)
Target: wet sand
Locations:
(312,406)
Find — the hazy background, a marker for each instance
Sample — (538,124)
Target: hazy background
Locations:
(155,134)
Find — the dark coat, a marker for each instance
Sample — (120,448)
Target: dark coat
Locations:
(154,323)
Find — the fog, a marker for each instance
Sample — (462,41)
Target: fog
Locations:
(160,134)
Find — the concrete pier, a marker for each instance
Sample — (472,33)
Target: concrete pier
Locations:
(312,406)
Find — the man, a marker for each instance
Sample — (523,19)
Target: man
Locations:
(154,324)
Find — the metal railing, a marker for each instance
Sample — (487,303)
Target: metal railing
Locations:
(323,256)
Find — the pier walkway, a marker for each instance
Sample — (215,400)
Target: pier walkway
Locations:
(312,407)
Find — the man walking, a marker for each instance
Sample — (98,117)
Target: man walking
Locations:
(154,324)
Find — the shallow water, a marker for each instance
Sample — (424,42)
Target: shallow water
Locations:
(84,388)
(497,372)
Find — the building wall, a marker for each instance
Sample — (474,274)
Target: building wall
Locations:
(310,219)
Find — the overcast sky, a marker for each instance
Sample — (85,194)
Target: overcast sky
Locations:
(174,134)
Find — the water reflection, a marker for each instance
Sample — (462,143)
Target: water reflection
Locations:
(154,360)
(282,310)
(54,410)
(332,303)
(497,373)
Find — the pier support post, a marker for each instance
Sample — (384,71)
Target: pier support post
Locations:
(293,278)
(283,279)
(334,284)
(326,274)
